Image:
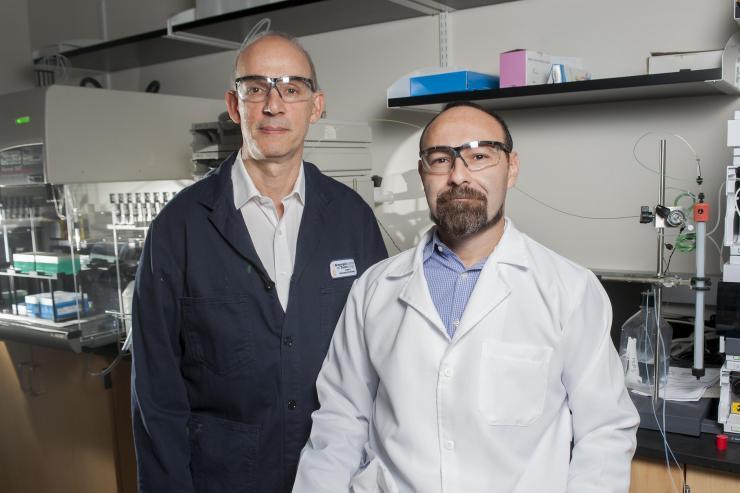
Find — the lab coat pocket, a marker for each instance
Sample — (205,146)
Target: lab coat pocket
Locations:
(333,298)
(513,382)
(223,454)
(374,477)
(217,333)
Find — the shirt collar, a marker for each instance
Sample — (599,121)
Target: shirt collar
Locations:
(435,246)
(245,189)
(511,249)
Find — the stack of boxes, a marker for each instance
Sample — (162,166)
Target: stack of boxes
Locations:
(46,263)
(527,68)
(64,306)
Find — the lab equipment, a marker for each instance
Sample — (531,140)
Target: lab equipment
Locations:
(728,294)
(340,149)
(82,174)
(637,349)
(728,413)
(662,218)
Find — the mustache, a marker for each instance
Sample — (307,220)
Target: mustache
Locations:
(274,122)
(459,193)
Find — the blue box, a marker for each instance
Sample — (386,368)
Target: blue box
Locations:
(33,306)
(463,80)
(64,306)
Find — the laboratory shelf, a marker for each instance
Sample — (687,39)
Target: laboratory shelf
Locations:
(635,87)
(29,275)
(698,451)
(125,227)
(297,17)
(73,335)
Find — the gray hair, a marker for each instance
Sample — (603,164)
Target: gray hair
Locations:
(277,34)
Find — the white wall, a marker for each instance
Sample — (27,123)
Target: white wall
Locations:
(15,49)
(54,21)
(576,158)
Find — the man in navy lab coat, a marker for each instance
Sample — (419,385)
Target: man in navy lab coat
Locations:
(242,280)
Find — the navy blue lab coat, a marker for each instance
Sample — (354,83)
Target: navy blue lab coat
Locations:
(223,381)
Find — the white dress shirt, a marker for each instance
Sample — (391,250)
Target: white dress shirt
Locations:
(405,409)
(273,237)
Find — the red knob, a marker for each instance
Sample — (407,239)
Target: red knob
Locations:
(721,441)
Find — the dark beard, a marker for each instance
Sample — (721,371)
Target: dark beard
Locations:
(460,219)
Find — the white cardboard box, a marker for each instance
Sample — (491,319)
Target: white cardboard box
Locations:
(661,63)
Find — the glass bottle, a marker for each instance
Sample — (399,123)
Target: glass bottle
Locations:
(636,347)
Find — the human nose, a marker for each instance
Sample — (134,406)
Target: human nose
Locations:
(459,173)
(273,101)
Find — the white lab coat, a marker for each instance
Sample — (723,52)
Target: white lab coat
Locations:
(531,366)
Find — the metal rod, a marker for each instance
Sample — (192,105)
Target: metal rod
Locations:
(124,326)
(659,287)
(33,231)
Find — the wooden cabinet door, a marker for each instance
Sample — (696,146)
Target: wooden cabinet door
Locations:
(651,476)
(708,481)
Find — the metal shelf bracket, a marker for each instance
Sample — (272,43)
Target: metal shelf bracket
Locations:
(199,39)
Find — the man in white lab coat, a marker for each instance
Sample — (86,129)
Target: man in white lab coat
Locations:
(469,363)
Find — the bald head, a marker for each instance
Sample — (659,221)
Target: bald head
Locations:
(466,108)
(273,44)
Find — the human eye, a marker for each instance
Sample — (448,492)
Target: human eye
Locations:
(478,155)
(438,160)
(255,88)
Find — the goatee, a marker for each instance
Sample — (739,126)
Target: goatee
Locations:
(461,218)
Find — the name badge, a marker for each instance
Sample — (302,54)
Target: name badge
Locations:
(343,268)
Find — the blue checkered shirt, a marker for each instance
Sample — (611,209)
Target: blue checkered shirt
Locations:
(450,283)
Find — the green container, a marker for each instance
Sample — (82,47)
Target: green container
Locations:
(24,262)
(55,263)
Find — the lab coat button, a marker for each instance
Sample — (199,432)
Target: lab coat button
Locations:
(449,445)
(292,404)
(447,372)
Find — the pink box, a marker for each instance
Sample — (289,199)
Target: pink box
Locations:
(524,68)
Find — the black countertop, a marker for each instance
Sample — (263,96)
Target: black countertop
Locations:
(698,451)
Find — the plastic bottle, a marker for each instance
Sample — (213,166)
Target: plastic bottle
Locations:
(636,347)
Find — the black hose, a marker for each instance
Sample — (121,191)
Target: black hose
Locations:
(90,81)
(153,86)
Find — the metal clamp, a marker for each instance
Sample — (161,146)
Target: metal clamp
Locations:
(707,283)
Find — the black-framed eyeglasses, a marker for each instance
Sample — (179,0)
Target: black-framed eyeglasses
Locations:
(291,88)
(476,155)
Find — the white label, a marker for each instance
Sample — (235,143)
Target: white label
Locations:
(342,268)
(633,372)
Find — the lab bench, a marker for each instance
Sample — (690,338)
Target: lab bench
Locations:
(706,469)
